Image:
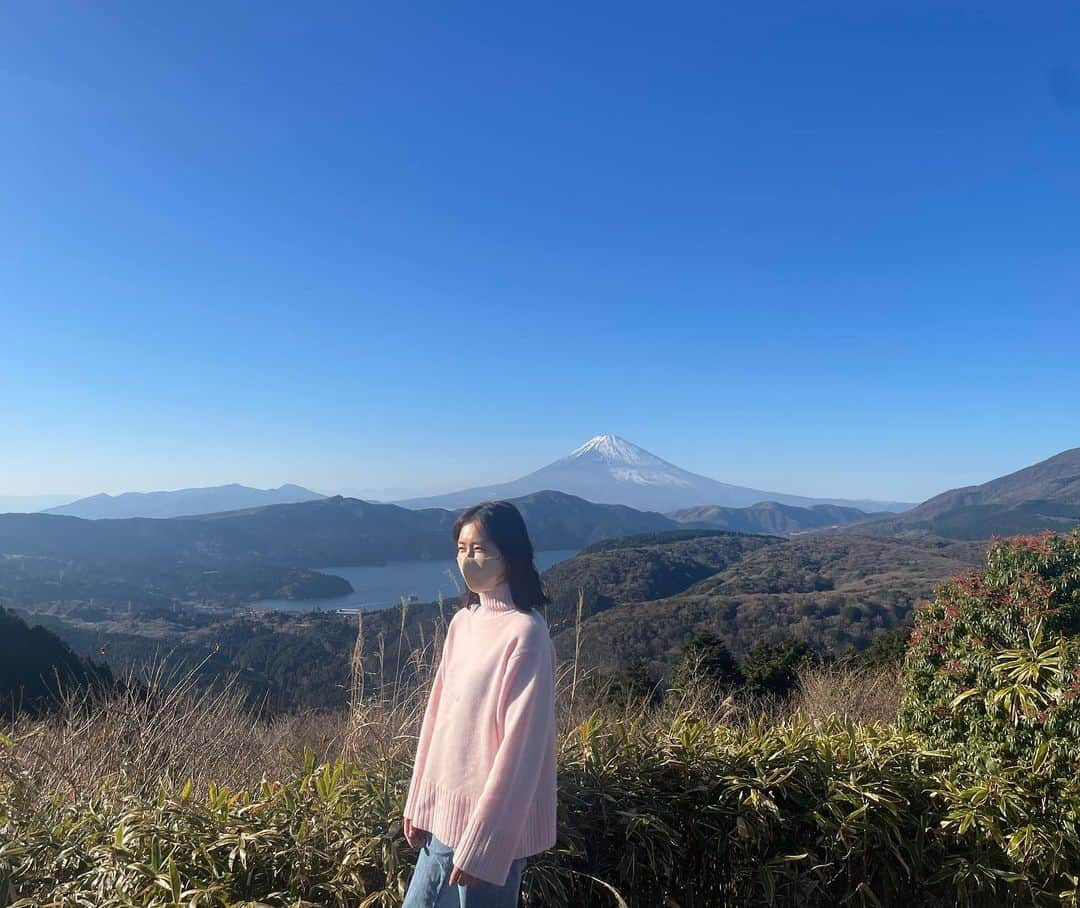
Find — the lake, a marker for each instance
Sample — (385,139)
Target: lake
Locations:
(380,586)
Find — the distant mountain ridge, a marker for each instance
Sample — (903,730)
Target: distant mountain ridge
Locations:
(182,502)
(1043,496)
(336,530)
(276,547)
(768,517)
(608,469)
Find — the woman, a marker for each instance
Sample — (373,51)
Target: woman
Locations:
(482,794)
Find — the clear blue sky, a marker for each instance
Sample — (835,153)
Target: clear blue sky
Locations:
(820,248)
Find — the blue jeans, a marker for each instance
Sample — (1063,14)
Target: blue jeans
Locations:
(430,888)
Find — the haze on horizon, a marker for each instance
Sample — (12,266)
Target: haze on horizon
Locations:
(827,250)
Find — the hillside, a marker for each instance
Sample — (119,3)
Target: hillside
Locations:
(1055,479)
(833,591)
(641,568)
(1044,496)
(32,663)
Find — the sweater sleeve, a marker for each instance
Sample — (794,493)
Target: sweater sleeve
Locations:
(527,707)
(427,728)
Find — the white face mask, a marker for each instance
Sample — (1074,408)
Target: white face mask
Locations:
(481,572)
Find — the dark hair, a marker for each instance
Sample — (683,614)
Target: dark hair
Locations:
(503,523)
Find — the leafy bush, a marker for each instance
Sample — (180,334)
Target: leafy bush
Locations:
(323,834)
(993,664)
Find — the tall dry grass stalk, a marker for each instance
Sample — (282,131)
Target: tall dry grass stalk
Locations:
(400,640)
(577,646)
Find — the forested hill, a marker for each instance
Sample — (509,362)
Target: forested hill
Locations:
(834,591)
(640,568)
(32,660)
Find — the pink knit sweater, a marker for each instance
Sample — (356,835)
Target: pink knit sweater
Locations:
(484,776)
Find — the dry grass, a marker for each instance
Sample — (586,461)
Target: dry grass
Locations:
(165,726)
(865,695)
(162,725)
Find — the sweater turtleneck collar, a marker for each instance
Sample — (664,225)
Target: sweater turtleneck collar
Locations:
(497,600)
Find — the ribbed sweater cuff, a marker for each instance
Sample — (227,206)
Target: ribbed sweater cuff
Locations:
(409,811)
(481,853)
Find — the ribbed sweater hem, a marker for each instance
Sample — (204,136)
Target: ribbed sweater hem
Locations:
(446,812)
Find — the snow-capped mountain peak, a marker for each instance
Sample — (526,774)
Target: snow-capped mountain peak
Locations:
(611,470)
(624,462)
(615,450)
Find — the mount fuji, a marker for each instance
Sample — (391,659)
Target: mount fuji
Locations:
(608,469)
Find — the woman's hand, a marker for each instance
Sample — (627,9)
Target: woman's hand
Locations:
(460,877)
(414,835)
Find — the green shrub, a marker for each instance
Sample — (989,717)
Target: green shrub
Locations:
(635,682)
(887,648)
(773,668)
(705,656)
(993,664)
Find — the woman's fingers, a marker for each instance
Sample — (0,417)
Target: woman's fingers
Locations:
(459,877)
(414,835)
(411,833)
